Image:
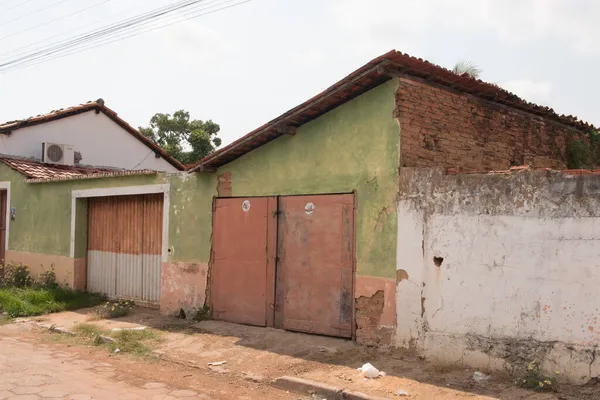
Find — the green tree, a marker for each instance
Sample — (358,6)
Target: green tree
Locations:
(467,67)
(186,140)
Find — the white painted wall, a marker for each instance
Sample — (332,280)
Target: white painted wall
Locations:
(100,140)
(514,271)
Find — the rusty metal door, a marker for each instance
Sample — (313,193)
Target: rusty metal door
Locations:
(3,212)
(315,272)
(242,277)
(125,246)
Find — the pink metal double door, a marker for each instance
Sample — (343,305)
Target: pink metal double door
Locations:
(286,262)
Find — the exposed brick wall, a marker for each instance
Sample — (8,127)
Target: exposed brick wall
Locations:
(442,128)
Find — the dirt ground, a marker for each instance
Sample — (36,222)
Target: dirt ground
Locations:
(255,356)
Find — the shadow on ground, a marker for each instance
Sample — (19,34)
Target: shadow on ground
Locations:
(267,353)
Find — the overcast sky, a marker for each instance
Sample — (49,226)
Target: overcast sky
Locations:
(245,65)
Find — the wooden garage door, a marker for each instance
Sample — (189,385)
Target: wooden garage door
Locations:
(315,268)
(242,275)
(125,246)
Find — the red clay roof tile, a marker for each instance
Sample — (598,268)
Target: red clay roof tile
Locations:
(364,79)
(36,171)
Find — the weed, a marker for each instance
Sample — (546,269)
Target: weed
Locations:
(534,379)
(14,275)
(46,279)
(24,302)
(134,342)
(203,314)
(88,330)
(115,309)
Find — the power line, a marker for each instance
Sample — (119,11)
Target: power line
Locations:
(116,32)
(109,29)
(80,50)
(105,42)
(63,33)
(17,5)
(33,12)
(54,20)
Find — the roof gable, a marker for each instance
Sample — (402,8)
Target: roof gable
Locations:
(99,107)
(374,73)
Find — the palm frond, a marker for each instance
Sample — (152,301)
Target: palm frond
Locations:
(467,67)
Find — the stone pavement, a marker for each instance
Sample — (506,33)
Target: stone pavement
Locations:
(36,372)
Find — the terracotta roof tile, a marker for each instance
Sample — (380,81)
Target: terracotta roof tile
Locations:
(36,171)
(364,79)
(99,106)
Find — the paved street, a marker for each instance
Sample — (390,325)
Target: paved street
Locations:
(30,371)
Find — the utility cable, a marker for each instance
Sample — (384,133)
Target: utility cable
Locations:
(61,55)
(111,35)
(54,20)
(17,5)
(112,28)
(33,12)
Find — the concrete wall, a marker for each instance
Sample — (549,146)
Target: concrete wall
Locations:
(101,142)
(499,270)
(443,128)
(351,148)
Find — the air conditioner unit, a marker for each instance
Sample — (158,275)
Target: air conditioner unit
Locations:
(53,153)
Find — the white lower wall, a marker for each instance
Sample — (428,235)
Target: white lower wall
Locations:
(519,280)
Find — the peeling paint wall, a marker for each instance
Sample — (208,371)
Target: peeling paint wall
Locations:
(354,147)
(498,270)
(40,235)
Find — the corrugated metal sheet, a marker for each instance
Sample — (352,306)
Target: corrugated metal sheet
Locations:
(125,246)
(101,275)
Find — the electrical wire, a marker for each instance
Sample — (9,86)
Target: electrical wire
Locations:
(54,20)
(95,41)
(63,33)
(17,5)
(58,56)
(111,28)
(34,12)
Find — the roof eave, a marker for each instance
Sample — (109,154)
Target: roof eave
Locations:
(214,160)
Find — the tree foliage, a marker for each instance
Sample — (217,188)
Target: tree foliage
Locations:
(186,140)
(467,67)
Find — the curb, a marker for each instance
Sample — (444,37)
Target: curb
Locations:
(309,387)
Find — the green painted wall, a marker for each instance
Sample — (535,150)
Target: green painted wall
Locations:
(190,221)
(353,147)
(43,222)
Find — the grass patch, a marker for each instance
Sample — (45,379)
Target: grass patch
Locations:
(25,302)
(136,342)
(88,330)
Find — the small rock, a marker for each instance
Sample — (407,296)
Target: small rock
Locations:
(117,350)
(480,377)
(401,393)
(249,376)
(60,329)
(137,328)
(105,339)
